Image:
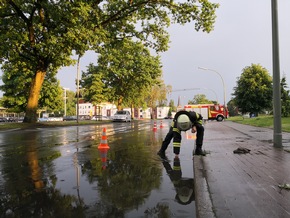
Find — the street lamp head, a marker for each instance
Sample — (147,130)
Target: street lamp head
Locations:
(202,68)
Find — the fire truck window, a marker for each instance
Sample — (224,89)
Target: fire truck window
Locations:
(212,108)
(216,107)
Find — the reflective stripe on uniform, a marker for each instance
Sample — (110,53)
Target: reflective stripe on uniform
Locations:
(176,130)
(197,116)
(176,168)
(176,144)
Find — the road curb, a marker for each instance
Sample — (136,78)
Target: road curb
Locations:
(203,203)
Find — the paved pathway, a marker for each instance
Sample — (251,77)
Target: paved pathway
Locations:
(242,185)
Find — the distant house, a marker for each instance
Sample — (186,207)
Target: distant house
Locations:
(103,109)
(108,109)
(85,108)
(2,111)
(162,112)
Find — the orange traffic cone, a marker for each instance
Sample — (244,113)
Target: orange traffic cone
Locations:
(161,125)
(104,143)
(155,127)
(103,149)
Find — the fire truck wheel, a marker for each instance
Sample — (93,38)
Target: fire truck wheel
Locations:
(220,118)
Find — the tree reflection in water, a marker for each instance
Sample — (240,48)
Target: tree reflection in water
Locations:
(129,178)
(27,185)
(34,180)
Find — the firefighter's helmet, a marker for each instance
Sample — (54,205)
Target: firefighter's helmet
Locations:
(183,122)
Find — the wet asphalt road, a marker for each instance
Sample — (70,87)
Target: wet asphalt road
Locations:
(58,172)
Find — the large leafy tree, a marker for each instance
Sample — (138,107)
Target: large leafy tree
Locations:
(164,91)
(171,105)
(253,92)
(43,34)
(125,69)
(157,95)
(93,85)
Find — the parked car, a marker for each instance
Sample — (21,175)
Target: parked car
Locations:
(69,118)
(11,119)
(3,119)
(122,116)
(100,117)
(42,119)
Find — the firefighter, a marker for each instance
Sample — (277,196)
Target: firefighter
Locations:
(183,121)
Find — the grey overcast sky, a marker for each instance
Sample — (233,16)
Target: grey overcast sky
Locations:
(242,36)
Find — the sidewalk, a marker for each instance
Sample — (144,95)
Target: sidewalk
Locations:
(242,185)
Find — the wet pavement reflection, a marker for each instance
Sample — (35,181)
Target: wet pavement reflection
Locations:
(61,172)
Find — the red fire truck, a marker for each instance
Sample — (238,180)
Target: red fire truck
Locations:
(209,111)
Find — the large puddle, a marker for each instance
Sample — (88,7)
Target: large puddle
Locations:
(60,172)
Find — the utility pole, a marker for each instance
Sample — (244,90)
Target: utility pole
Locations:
(277,136)
(65,89)
(78,87)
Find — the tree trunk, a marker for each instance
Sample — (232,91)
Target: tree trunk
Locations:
(119,106)
(132,111)
(32,103)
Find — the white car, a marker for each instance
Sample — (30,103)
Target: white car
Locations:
(122,116)
(100,117)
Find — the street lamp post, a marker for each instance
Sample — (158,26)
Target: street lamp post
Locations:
(277,135)
(224,87)
(65,100)
(78,87)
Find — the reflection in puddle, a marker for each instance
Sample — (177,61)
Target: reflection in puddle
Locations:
(184,186)
(73,180)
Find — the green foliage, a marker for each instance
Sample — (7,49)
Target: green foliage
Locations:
(157,94)
(232,108)
(172,106)
(253,92)
(93,84)
(125,72)
(51,96)
(261,121)
(285,98)
(200,99)
(164,90)
(16,80)
(70,103)
(15,86)
(44,34)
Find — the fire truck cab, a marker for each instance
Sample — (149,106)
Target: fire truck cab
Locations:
(209,111)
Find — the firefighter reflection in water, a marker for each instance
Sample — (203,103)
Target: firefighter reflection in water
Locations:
(184,186)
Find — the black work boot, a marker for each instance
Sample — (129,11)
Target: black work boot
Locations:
(199,151)
(161,153)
